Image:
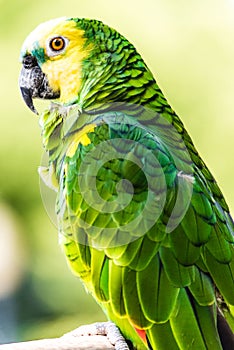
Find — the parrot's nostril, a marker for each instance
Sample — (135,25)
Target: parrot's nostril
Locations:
(29,61)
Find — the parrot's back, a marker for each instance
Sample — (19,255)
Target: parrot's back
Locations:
(141,226)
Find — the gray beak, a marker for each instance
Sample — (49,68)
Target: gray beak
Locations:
(34,83)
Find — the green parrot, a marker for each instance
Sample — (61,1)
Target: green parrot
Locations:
(141,219)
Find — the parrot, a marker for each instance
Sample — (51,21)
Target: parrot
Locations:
(141,220)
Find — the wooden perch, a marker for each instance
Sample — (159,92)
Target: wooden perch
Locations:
(82,338)
(97,342)
(78,339)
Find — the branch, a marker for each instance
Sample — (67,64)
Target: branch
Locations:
(71,342)
(78,339)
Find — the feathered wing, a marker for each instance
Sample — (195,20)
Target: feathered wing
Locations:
(171,283)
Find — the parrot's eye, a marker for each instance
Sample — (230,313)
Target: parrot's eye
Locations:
(56,45)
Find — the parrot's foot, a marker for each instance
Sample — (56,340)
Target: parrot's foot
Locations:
(108,329)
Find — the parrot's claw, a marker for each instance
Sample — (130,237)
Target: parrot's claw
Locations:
(108,329)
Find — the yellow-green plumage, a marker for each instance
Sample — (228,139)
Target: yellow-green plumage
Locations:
(170,274)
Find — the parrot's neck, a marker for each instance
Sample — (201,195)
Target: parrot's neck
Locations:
(116,80)
(120,79)
(114,72)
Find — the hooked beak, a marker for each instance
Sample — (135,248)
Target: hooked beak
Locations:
(34,83)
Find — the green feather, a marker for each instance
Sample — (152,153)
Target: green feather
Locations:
(222,274)
(202,289)
(218,246)
(185,252)
(116,289)
(188,316)
(132,301)
(99,275)
(160,291)
(161,336)
(178,274)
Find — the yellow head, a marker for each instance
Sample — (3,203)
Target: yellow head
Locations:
(58,46)
(79,61)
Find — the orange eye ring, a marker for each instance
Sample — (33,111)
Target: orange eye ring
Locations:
(57,44)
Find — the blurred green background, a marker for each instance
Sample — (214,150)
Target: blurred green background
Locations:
(189,45)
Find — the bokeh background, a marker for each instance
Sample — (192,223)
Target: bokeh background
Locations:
(189,45)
